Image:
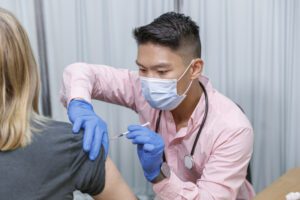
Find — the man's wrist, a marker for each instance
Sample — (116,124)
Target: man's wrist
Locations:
(78,99)
(163,173)
(158,178)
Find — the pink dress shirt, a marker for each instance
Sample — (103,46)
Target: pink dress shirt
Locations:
(223,150)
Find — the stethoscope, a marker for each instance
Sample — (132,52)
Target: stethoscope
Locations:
(188,159)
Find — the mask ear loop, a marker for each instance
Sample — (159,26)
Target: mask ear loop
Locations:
(183,75)
(185,70)
(187,88)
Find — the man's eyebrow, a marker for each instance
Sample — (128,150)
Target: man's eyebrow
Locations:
(139,64)
(160,65)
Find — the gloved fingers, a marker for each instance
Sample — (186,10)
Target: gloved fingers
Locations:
(136,128)
(148,147)
(104,139)
(96,144)
(132,135)
(140,131)
(88,136)
(77,125)
(141,140)
(105,143)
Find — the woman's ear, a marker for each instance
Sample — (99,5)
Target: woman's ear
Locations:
(197,67)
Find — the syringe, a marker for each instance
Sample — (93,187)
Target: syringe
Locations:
(125,133)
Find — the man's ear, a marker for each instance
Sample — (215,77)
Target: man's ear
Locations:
(197,68)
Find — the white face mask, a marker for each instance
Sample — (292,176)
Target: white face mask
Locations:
(162,93)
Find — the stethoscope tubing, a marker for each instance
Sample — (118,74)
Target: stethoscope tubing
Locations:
(200,128)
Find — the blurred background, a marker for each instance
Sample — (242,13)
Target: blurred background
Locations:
(251,50)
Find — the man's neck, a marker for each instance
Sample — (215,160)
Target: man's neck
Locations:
(183,112)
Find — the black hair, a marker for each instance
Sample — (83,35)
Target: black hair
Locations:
(173,30)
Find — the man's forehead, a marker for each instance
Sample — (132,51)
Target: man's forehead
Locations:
(154,65)
(160,53)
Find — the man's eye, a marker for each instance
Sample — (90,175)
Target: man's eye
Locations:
(162,72)
(142,70)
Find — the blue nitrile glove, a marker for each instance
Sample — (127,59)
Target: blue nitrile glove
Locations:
(82,115)
(150,148)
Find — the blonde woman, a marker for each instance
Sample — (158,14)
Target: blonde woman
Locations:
(41,158)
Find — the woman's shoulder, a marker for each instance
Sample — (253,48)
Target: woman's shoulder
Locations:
(49,128)
(55,138)
(50,125)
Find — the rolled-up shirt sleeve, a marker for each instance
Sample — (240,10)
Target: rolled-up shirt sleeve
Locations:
(101,82)
(223,174)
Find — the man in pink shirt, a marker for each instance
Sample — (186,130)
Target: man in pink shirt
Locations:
(198,144)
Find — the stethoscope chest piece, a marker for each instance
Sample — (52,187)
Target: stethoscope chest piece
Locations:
(188,161)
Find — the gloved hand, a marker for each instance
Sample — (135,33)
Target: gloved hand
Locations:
(150,148)
(82,115)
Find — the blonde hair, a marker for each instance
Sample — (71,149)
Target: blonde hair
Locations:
(19,84)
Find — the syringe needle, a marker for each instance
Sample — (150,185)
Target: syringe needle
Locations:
(125,133)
